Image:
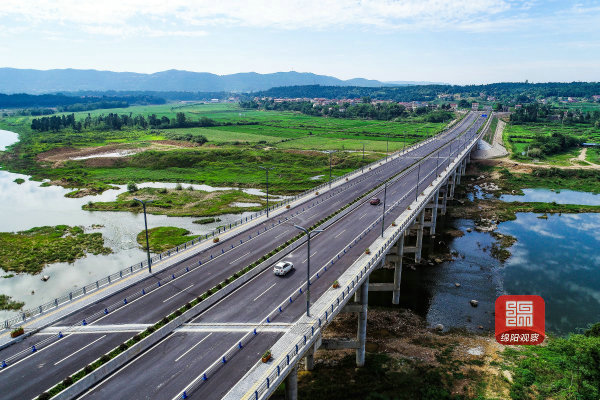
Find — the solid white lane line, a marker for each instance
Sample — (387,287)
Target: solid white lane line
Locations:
(239,258)
(269,288)
(192,348)
(84,347)
(178,293)
(339,234)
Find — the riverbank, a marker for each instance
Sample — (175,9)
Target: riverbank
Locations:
(405,360)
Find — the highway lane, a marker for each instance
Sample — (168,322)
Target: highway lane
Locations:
(151,308)
(263,293)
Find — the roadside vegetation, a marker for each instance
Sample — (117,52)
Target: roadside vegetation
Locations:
(563,368)
(29,251)
(7,303)
(181,202)
(163,238)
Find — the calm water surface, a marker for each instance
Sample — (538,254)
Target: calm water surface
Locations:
(28,205)
(557,258)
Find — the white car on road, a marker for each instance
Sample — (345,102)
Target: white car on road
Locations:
(283,267)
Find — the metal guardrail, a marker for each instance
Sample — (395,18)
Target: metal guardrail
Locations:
(328,314)
(94,286)
(350,287)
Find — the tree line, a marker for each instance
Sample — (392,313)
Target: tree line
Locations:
(364,110)
(114,121)
(546,113)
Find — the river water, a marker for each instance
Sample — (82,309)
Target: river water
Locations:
(557,258)
(29,205)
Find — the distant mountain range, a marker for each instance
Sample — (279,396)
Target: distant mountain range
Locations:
(33,81)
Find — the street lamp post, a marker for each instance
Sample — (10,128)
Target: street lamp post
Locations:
(329,152)
(308,266)
(387,146)
(384,200)
(267,171)
(146,226)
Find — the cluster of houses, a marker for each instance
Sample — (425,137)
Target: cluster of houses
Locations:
(321,101)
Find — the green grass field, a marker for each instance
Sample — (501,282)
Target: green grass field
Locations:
(284,140)
(518,137)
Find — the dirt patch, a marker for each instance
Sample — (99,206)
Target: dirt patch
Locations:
(59,155)
(174,143)
(468,362)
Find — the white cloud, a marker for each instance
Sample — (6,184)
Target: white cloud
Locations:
(110,16)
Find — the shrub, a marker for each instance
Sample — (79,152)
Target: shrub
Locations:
(178,186)
(104,359)
(122,347)
(216,240)
(88,368)
(188,306)
(132,187)
(17,332)
(68,381)
(44,396)
(165,320)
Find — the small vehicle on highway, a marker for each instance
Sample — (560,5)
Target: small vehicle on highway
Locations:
(375,201)
(283,267)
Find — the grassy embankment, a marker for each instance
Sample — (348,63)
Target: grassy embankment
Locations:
(518,137)
(563,368)
(164,238)
(181,203)
(6,303)
(283,140)
(29,251)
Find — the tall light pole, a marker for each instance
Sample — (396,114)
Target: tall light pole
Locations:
(330,152)
(308,266)
(144,202)
(387,146)
(267,171)
(384,199)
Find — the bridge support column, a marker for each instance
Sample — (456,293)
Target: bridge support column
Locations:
(452,185)
(291,384)
(434,212)
(444,199)
(362,324)
(419,247)
(394,258)
(459,172)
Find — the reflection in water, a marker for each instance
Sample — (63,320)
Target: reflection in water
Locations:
(557,258)
(561,197)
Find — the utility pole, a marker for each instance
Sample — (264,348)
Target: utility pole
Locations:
(146,226)
(308,265)
(267,171)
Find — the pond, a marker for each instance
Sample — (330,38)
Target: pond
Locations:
(27,205)
(560,197)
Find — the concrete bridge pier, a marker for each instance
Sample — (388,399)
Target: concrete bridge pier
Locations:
(444,191)
(394,257)
(452,185)
(420,226)
(432,207)
(291,384)
(362,324)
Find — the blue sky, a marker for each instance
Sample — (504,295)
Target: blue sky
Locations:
(467,41)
